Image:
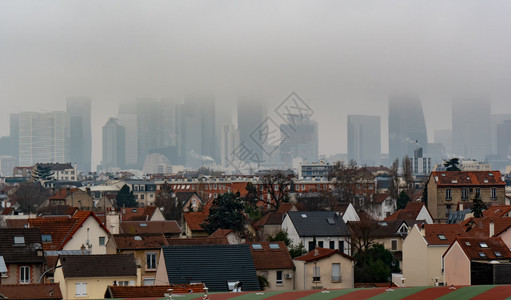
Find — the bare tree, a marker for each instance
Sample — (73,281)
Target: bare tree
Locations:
(167,201)
(349,180)
(406,164)
(394,183)
(277,185)
(364,234)
(30,195)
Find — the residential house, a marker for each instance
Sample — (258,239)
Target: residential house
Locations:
(61,171)
(390,234)
(324,269)
(219,267)
(83,229)
(23,256)
(347,212)
(72,197)
(232,237)
(327,228)
(447,189)
(150,213)
(477,261)
(88,276)
(43,291)
(146,249)
(273,262)
(167,228)
(190,201)
(422,252)
(144,191)
(414,211)
(489,227)
(192,222)
(381,206)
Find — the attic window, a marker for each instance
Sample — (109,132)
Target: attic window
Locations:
(483,245)
(257,246)
(481,254)
(134,210)
(442,237)
(490,174)
(138,238)
(455,181)
(443,174)
(304,216)
(467,243)
(486,181)
(19,240)
(497,254)
(383,224)
(46,238)
(143,224)
(330,220)
(274,246)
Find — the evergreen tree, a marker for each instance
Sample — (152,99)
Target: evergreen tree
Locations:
(43,173)
(125,197)
(479,206)
(452,164)
(402,200)
(226,213)
(171,208)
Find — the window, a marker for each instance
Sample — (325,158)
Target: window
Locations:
(142,197)
(336,272)
(464,194)
(123,283)
(46,238)
(341,246)
(497,254)
(279,278)
(493,193)
(481,254)
(19,240)
(316,276)
(81,288)
(483,245)
(257,246)
(393,245)
(24,274)
(150,260)
(441,237)
(274,246)
(320,244)
(332,244)
(448,194)
(311,246)
(148,281)
(101,240)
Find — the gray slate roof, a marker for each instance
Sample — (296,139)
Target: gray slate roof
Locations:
(22,253)
(214,265)
(108,265)
(316,223)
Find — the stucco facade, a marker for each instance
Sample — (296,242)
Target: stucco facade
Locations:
(90,232)
(285,283)
(307,279)
(457,266)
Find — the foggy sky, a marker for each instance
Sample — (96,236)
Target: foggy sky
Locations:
(343,57)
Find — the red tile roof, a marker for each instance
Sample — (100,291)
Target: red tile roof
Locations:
(219,233)
(442,234)
(270,259)
(31,291)
(480,227)
(320,254)
(410,212)
(17,223)
(497,211)
(194,219)
(379,198)
(137,213)
(468,178)
(474,246)
(139,242)
(285,207)
(62,229)
(63,193)
(152,290)
(141,227)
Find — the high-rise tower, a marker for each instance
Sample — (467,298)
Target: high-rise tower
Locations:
(80,143)
(364,139)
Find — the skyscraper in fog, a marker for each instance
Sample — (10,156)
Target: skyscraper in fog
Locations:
(504,140)
(114,144)
(407,128)
(251,113)
(230,139)
(471,127)
(364,139)
(42,137)
(127,118)
(80,143)
(197,138)
(301,141)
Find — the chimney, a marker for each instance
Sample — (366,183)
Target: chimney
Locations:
(316,251)
(492,227)
(461,207)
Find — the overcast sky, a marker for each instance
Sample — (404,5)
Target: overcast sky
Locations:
(343,57)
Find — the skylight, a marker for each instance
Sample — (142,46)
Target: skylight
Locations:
(481,254)
(304,216)
(46,238)
(483,245)
(143,224)
(19,240)
(257,246)
(330,220)
(497,254)
(274,246)
(138,238)
(442,237)
(467,243)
